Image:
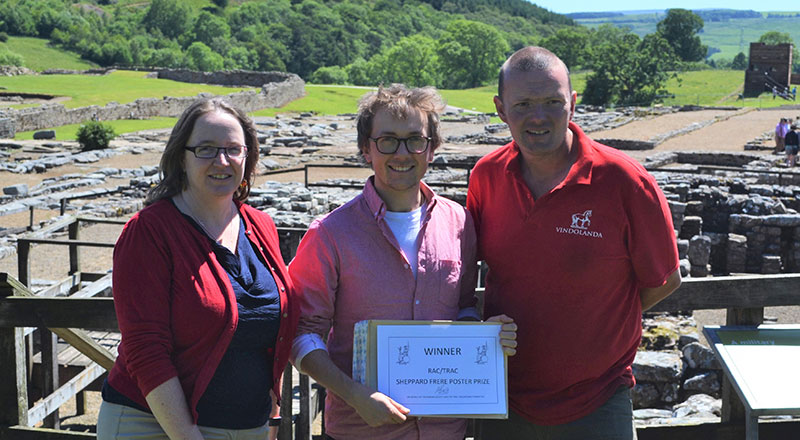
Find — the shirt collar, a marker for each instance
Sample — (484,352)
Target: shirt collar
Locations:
(377,207)
(581,171)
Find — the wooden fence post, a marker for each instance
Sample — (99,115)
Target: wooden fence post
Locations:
(732,407)
(49,350)
(13,374)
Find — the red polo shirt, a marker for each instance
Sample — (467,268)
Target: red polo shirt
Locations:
(568,268)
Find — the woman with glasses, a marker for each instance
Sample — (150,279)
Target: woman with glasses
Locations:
(204,302)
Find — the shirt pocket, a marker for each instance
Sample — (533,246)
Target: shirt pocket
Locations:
(449,274)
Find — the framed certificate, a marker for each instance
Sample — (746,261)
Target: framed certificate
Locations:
(434,368)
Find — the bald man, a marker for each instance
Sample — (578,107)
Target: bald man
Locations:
(579,241)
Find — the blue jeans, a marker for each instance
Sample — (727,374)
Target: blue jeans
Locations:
(612,421)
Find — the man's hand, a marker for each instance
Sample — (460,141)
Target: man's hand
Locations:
(508,334)
(378,409)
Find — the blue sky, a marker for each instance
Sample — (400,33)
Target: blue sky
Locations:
(565,7)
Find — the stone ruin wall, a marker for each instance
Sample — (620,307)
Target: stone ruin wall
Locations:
(6,128)
(225,77)
(279,89)
(773,60)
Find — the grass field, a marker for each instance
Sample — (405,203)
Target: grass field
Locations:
(323,100)
(730,37)
(40,56)
(68,132)
(119,86)
(709,87)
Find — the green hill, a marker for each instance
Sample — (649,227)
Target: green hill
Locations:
(298,36)
(730,32)
(39,55)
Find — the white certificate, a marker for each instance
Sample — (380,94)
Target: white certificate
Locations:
(443,368)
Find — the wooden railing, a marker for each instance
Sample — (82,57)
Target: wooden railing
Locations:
(744,297)
(62,310)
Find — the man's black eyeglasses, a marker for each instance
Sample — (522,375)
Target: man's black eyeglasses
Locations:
(390,144)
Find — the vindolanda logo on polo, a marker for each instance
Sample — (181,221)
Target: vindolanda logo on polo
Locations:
(579,225)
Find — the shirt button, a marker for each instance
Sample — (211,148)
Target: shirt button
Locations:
(285,315)
(416,302)
(283,289)
(406,266)
(281,338)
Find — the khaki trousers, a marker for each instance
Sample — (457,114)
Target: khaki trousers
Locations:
(123,422)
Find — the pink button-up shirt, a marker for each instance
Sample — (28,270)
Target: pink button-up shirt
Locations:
(349,267)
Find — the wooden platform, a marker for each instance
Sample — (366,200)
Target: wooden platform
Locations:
(71,361)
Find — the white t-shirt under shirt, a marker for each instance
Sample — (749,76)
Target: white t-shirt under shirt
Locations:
(405,226)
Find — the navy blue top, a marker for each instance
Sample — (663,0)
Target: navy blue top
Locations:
(238,395)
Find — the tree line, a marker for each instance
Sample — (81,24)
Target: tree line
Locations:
(445,43)
(299,36)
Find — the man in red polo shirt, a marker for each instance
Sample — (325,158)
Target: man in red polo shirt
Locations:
(579,240)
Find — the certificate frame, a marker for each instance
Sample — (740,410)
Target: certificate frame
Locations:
(435,368)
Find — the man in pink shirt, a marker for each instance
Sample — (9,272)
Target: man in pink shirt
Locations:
(396,251)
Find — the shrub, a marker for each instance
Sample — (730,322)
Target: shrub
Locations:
(329,75)
(3,37)
(8,58)
(95,135)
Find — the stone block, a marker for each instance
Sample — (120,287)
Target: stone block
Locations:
(692,225)
(683,248)
(698,405)
(736,254)
(699,250)
(705,383)
(670,392)
(685,267)
(694,208)
(688,338)
(19,190)
(45,134)
(696,271)
(645,395)
(655,366)
(697,355)
(301,206)
(651,413)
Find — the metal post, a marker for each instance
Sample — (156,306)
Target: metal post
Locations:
(304,418)
(30,222)
(751,427)
(305,175)
(286,430)
(74,256)
(63,206)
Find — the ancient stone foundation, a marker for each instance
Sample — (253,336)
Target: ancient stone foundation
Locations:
(284,88)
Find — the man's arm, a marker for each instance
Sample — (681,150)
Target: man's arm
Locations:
(651,296)
(374,407)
